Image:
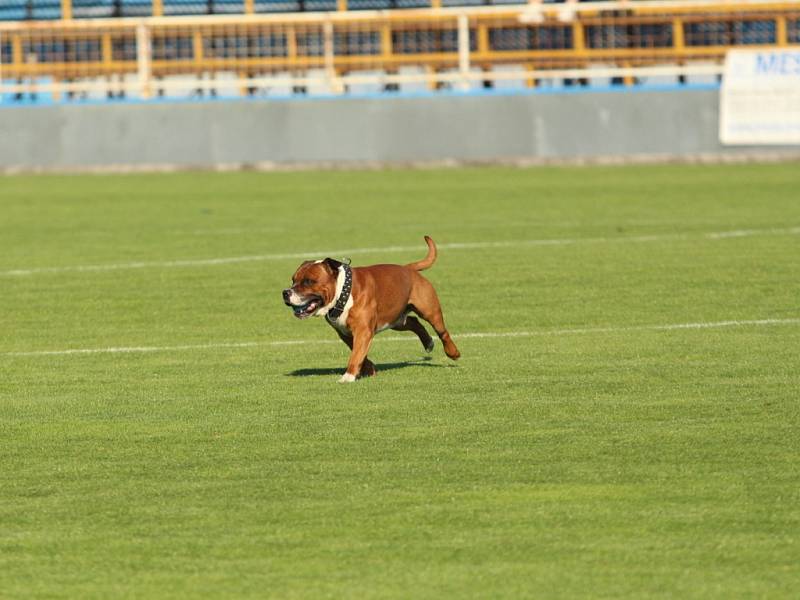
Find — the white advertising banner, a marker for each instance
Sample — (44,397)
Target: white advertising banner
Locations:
(760,97)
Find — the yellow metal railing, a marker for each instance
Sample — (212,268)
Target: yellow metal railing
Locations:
(338,51)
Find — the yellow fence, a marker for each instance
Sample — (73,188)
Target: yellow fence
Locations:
(337,52)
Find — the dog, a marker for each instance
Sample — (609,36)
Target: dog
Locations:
(362,301)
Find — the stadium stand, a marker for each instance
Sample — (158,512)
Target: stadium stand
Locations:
(193,48)
(17,10)
(34,10)
(88,9)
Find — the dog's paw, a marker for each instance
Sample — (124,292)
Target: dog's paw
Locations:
(368,369)
(347,378)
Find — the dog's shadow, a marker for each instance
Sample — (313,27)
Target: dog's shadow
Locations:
(423,362)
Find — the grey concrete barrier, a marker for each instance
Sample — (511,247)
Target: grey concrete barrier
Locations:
(586,126)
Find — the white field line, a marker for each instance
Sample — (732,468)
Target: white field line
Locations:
(498,334)
(739,233)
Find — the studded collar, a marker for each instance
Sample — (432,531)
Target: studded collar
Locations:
(334,313)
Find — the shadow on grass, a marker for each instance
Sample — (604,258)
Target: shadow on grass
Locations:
(423,362)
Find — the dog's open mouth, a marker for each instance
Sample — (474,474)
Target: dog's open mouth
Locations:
(303,311)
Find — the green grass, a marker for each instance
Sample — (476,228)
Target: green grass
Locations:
(624,463)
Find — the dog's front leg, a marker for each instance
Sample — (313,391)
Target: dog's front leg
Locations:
(367,368)
(362,338)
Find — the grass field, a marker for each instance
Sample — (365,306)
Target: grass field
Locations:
(628,425)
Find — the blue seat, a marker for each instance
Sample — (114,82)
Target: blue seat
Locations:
(274,6)
(185,7)
(320,5)
(227,7)
(137,8)
(11,13)
(269,6)
(46,9)
(386,4)
(18,10)
(482,2)
(88,9)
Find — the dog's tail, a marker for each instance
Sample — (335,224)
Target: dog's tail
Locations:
(428,261)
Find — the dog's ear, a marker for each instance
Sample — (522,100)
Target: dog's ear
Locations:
(333,265)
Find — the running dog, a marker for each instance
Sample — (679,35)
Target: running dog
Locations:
(362,301)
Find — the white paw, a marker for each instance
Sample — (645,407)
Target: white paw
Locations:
(347,378)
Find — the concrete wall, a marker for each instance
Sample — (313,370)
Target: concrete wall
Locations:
(531,127)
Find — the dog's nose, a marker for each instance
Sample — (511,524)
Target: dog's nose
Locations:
(286,294)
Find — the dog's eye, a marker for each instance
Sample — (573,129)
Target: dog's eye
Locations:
(307,282)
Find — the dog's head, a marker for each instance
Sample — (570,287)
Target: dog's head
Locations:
(313,286)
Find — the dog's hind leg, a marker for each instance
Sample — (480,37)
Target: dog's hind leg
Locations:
(425,303)
(413,324)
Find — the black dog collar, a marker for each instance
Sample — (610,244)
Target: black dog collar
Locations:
(334,313)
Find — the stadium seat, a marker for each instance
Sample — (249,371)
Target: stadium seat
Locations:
(386,4)
(270,6)
(13,10)
(137,8)
(18,10)
(46,9)
(203,7)
(716,33)
(86,9)
(226,7)
(179,48)
(319,5)
(12,13)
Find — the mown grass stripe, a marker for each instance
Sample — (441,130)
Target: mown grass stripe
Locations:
(488,334)
(208,262)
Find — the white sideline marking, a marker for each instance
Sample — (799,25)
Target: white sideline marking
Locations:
(489,334)
(672,327)
(203,262)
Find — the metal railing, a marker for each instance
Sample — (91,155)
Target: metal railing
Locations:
(340,52)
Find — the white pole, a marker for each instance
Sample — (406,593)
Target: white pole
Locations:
(1,67)
(463,52)
(329,49)
(143,56)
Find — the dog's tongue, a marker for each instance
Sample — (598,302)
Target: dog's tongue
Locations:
(301,312)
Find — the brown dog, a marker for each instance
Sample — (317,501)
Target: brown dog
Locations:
(363,301)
